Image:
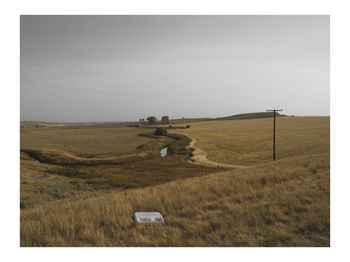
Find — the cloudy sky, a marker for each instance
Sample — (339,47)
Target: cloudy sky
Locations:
(116,68)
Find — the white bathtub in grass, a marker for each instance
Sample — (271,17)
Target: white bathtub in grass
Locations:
(148,217)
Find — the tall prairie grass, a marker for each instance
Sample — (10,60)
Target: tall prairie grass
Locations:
(84,193)
(276,204)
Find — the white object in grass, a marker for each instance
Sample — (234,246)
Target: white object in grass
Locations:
(148,217)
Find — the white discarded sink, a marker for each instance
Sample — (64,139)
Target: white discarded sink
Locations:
(148,217)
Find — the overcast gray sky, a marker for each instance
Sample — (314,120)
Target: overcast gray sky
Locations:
(115,68)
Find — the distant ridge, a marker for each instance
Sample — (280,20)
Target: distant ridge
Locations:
(250,116)
(233,117)
(39,124)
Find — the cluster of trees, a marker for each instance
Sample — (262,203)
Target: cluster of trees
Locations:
(160,131)
(153,120)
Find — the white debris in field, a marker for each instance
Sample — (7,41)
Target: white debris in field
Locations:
(148,217)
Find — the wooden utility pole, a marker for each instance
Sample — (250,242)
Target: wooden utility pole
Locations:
(274,131)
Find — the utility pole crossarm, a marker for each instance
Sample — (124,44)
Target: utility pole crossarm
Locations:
(274,110)
(274,130)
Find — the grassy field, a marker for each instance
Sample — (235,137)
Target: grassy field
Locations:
(286,204)
(82,140)
(248,142)
(49,173)
(73,197)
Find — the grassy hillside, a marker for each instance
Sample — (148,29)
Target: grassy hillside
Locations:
(80,186)
(84,169)
(282,204)
(251,116)
(233,117)
(249,142)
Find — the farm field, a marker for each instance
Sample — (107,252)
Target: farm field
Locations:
(91,202)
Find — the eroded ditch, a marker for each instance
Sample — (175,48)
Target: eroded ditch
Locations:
(138,168)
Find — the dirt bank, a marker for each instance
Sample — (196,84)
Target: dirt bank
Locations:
(199,157)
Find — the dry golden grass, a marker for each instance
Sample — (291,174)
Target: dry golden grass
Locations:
(282,204)
(60,157)
(265,204)
(40,185)
(47,182)
(83,140)
(62,175)
(247,142)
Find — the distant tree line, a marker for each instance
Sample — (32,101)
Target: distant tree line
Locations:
(152,120)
